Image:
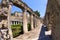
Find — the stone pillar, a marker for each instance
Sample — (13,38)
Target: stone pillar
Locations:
(38,22)
(14,22)
(25,28)
(35,22)
(11,22)
(31,18)
(9,26)
(17,22)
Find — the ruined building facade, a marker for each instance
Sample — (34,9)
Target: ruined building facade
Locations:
(16,18)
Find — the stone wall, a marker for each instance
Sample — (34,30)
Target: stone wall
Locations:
(52,18)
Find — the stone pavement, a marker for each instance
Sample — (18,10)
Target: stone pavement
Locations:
(43,36)
(31,35)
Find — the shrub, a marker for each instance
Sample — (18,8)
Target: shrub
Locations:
(17,30)
(29,26)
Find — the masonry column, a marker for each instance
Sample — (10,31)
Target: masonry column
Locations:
(38,22)
(25,28)
(31,18)
(9,26)
(35,22)
(14,22)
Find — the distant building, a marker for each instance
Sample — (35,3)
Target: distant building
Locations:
(15,18)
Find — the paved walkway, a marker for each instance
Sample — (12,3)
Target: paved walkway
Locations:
(36,34)
(31,35)
(43,36)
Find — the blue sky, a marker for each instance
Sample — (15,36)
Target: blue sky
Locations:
(39,5)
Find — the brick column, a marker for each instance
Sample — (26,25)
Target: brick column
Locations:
(25,28)
(9,26)
(31,18)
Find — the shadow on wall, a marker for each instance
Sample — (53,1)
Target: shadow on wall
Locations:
(42,35)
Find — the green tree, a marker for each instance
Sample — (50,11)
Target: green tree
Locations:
(37,13)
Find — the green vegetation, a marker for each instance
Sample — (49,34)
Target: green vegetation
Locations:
(17,30)
(12,14)
(1,16)
(29,26)
(37,13)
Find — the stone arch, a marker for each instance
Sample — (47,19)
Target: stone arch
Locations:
(25,8)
